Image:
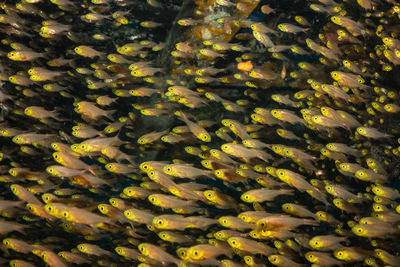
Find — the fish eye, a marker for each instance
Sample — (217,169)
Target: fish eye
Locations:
(49,208)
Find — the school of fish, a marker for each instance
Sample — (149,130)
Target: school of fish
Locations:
(199,133)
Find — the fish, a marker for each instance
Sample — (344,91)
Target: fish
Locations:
(139,216)
(240,151)
(92,249)
(280,260)
(206,251)
(24,194)
(235,223)
(87,51)
(151,137)
(82,216)
(17,245)
(142,133)
(174,237)
(250,246)
(294,179)
(326,242)
(322,258)
(282,222)
(166,201)
(7,227)
(51,258)
(264,194)
(290,28)
(351,254)
(184,171)
(21,263)
(157,253)
(73,257)
(371,133)
(298,210)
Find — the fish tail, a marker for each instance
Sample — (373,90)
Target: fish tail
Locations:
(109,114)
